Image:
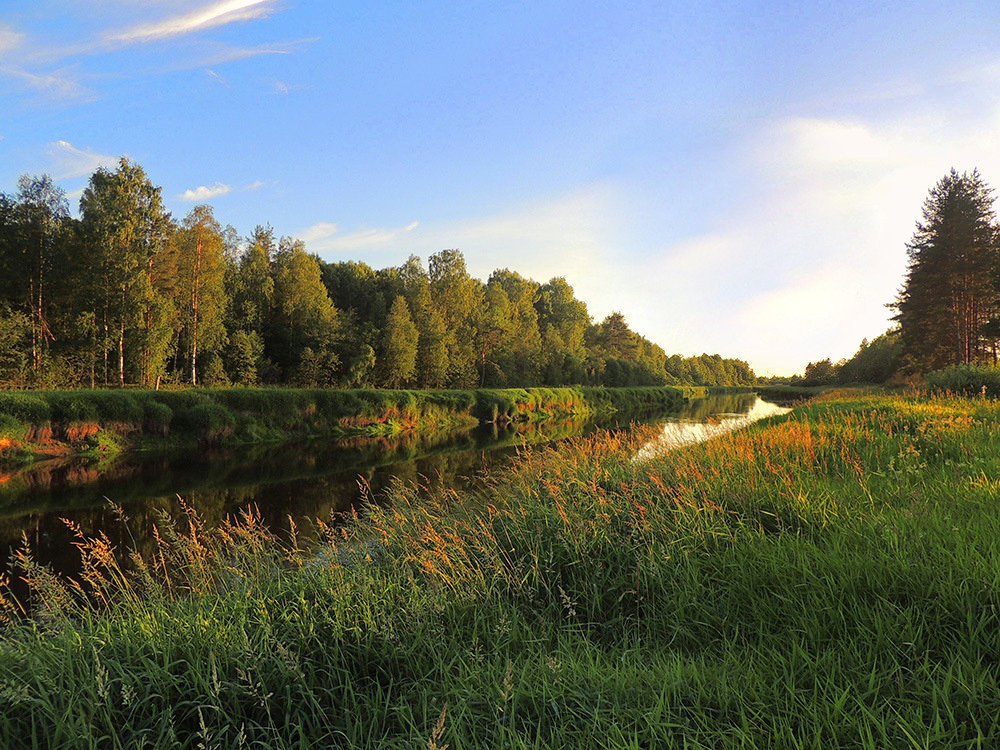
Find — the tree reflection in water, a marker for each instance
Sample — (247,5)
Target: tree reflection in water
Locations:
(304,481)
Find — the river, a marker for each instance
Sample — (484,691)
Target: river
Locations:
(124,496)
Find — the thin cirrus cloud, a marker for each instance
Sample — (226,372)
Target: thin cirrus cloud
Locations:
(569,235)
(45,68)
(211,16)
(223,55)
(56,84)
(9,39)
(325,237)
(67,161)
(280,87)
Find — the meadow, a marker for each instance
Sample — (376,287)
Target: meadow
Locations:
(829,578)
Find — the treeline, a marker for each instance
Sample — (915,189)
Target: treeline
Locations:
(127,295)
(708,369)
(876,361)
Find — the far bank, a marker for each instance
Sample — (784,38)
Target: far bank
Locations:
(36,424)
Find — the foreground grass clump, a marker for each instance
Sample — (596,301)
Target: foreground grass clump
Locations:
(827,579)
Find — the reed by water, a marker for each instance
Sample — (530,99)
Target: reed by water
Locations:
(829,578)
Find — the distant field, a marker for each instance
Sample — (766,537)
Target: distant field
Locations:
(824,579)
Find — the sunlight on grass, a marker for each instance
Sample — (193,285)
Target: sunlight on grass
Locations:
(826,580)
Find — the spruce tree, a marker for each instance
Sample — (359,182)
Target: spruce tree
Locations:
(948,296)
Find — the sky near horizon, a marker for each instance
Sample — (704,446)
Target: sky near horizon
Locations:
(734,177)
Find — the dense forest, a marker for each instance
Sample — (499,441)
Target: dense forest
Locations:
(948,309)
(127,295)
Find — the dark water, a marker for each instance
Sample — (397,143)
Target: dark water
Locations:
(307,480)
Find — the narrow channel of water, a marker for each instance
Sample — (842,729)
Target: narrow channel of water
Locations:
(300,480)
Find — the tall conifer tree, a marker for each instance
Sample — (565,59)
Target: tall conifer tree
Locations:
(948,295)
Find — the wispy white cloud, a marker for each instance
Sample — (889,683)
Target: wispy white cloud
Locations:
(222,55)
(9,39)
(205,192)
(280,87)
(318,231)
(66,160)
(570,235)
(44,67)
(325,237)
(73,196)
(210,16)
(57,84)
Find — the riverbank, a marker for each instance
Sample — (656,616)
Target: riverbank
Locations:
(53,423)
(823,579)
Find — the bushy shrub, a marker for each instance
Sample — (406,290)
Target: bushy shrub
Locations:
(968,380)
(493,405)
(9,424)
(67,408)
(156,417)
(206,421)
(25,408)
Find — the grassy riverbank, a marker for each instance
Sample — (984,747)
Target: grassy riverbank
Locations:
(62,422)
(826,579)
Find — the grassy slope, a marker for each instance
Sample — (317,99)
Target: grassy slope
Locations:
(827,579)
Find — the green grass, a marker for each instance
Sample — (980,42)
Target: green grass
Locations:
(825,579)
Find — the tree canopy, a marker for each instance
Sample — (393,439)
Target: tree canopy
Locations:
(950,296)
(126,294)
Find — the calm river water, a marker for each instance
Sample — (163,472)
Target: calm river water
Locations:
(303,480)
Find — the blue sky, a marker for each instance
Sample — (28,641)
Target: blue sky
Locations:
(734,177)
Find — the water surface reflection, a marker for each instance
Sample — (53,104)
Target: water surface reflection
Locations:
(681,432)
(305,480)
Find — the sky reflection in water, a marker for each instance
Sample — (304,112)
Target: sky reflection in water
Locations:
(688,432)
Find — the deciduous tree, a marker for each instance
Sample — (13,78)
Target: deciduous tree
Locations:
(201,293)
(126,224)
(399,346)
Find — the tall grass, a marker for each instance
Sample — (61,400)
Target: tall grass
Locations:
(825,579)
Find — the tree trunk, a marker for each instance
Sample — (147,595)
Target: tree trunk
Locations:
(121,343)
(195,305)
(93,351)
(34,326)
(42,327)
(121,355)
(107,328)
